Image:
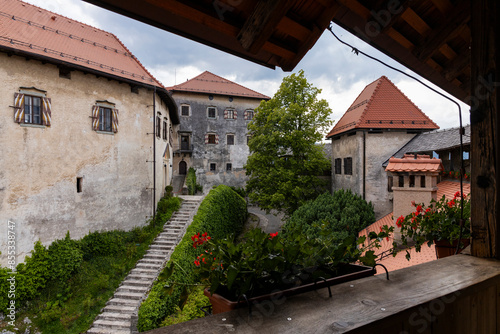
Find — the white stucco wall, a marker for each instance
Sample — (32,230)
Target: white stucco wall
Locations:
(39,166)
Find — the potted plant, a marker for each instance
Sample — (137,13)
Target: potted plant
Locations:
(260,264)
(439,224)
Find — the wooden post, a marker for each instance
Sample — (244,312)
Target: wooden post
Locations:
(484,101)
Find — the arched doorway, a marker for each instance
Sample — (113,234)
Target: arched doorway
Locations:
(182,168)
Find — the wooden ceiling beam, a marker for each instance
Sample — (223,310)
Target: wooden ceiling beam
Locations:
(261,23)
(447,29)
(404,6)
(293,28)
(456,66)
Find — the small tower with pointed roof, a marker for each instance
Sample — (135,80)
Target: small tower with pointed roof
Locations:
(378,123)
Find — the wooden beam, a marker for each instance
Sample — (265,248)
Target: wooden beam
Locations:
(456,66)
(261,23)
(485,125)
(447,29)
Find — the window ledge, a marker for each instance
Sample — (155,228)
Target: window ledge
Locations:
(28,125)
(426,297)
(106,132)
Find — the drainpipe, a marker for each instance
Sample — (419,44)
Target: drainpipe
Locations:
(364,164)
(154,151)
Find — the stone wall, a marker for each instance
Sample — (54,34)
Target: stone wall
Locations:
(379,147)
(197,125)
(40,165)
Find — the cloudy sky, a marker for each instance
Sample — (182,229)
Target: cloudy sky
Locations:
(328,65)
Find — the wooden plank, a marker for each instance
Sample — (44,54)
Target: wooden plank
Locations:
(261,23)
(395,35)
(293,28)
(366,306)
(180,9)
(445,31)
(484,129)
(456,66)
(447,51)
(416,22)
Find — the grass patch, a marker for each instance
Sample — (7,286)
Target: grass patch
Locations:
(70,305)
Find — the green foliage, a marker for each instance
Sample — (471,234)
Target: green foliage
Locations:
(342,214)
(63,287)
(285,162)
(65,257)
(193,187)
(168,191)
(240,191)
(191,310)
(222,212)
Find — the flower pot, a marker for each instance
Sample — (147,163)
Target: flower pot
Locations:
(444,248)
(222,304)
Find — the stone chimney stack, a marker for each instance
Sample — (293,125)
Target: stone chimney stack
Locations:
(414,178)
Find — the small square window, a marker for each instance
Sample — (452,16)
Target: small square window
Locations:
(229,113)
(348,166)
(213,167)
(401,181)
(185,110)
(211,138)
(422,181)
(211,112)
(229,167)
(338,166)
(249,115)
(412,181)
(230,139)
(78,184)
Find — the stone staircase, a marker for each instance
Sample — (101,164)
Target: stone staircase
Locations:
(119,316)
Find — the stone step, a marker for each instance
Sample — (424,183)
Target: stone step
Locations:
(163,242)
(133,288)
(96,330)
(119,309)
(123,302)
(113,316)
(152,260)
(136,282)
(141,277)
(128,295)
(154,256)
(142,265)
(117,324)
(160,247)
(144,271)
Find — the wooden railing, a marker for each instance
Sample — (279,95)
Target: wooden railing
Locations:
(458,294)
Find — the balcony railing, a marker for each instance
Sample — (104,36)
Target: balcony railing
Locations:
(457,294)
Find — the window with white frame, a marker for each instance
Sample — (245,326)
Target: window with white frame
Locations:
(185,110)
(32,107)
(211,112)
(105,117)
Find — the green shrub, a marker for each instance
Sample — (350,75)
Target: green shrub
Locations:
(168,191)
(343,214)
(65,257)
(240,191)
(192,309)
(191,181)
(100,243)
(222,212)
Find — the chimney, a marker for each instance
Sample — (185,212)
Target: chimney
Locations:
(414,179)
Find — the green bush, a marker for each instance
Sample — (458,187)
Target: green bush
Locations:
(99,243)
(65,257)
(222,212)
(191,181)
(240,191)
(343,214)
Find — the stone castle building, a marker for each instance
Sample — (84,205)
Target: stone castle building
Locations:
(378,123)
(77,108)
(213,133)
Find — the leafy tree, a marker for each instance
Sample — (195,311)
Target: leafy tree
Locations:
(285,162)
(340,215)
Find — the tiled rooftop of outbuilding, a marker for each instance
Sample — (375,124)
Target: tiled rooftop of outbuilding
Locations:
(422,163)
(381,105)
(210,83)
(29,30)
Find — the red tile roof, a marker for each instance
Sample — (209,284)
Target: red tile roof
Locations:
(423,163)
(426,254)
(210,83)
(27,29)
(381,105)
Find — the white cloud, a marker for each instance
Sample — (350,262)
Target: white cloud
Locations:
(76,10)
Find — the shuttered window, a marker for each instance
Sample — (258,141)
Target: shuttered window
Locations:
(211,138)
(104,119)
(248,115)
(30,109)
(211,112)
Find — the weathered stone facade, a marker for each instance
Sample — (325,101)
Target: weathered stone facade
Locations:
(216,160)
(368,150)
(67,176)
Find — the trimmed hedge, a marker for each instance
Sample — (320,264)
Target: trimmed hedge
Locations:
(223,212)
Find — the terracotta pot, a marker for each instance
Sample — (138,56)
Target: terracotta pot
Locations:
(444,248)
(221,304)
